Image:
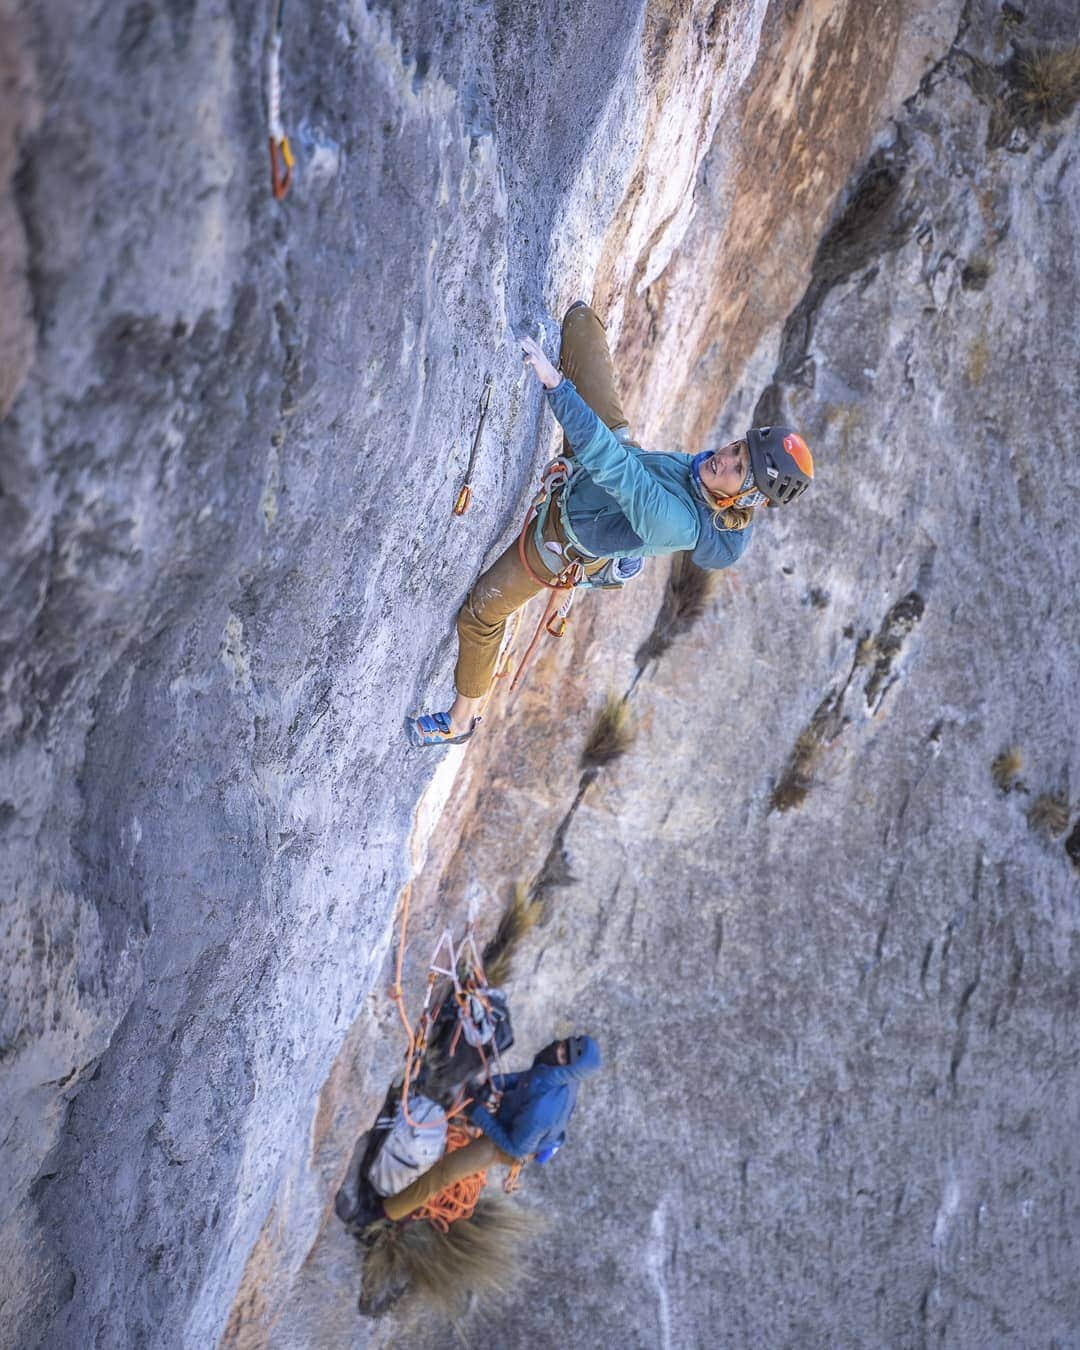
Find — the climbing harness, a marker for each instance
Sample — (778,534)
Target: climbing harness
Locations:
(555,476)
(557,611)
(281,156)
(464,497)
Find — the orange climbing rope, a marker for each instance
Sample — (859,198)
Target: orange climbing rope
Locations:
(417,1039)
(459,1200)
(474,986)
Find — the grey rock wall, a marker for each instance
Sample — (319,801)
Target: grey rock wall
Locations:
(839,1036)
(221,559)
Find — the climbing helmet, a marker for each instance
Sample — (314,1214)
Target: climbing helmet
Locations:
(575,1048)
(782,464)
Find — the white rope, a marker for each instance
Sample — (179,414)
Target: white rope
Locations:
(277,131)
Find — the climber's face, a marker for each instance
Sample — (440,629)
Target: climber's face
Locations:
(724,472)
(558,1052)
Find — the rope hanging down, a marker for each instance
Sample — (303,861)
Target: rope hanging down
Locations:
(281,156)
(459,1200)
(472,987)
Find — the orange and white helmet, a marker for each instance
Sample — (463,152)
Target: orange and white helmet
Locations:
(782,464)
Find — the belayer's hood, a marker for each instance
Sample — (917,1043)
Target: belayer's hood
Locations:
(589,1063)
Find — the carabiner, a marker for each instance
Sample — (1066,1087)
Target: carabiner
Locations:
(280,182)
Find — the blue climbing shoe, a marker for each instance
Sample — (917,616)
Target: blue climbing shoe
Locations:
(435,729)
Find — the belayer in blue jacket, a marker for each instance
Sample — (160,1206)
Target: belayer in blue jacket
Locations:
(530,1121)
(620,502)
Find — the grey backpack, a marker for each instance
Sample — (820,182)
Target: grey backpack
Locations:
(408,1151)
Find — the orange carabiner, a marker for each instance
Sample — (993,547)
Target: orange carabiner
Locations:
(280,180)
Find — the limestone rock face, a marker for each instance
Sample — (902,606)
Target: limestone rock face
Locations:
(830,957)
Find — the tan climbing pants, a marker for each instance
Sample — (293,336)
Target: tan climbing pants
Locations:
(478,1156)
(506,585)
(586,361)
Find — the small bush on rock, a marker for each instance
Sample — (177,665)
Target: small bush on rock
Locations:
(1049,814)
(1048,81)
(519,916)
(479,1259)
(1006,768)
(612,734)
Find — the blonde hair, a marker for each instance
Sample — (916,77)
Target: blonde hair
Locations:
(732,517)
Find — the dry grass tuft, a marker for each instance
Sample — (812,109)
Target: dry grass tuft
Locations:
(686,596)
(978,359)
(1006,768)
(612,734)
(797,779)
(520,916)
(481,1258)
(1049,813)
(1048,81)
(865,651)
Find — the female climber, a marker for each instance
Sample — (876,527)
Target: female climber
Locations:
(619,502)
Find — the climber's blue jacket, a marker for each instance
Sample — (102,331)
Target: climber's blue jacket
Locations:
(536,1105)
(625,502)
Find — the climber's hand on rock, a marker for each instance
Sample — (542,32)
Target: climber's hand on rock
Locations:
(548,376)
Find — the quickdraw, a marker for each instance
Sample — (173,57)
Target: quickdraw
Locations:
(464,497)
(281,156)
(470,994)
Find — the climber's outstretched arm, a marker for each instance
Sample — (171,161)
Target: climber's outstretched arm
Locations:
(658,515)
(655,513)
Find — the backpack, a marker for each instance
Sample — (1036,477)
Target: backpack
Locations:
(408,1151)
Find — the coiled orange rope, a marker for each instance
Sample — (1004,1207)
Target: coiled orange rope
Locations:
(459,1200)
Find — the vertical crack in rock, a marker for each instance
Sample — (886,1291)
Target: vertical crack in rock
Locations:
(960,1044)
(686,595)
(826,723)
(1072,845)
(555,871)
(888,644)
(829,719)
(877,219)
